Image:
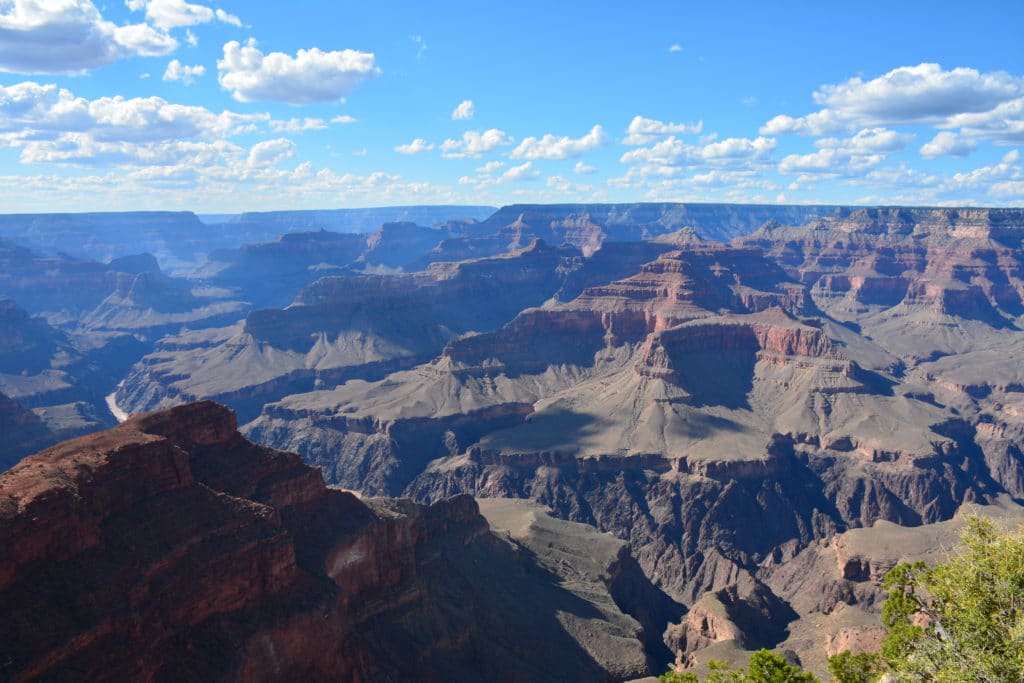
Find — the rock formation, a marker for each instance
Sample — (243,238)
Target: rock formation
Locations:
(170,547)
(338,328)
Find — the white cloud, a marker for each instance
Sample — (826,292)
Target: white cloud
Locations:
(670,152)
(271,152)
(310,76)
(83,149)
(675,48)
(642,131)
(829,161)
(168,14)
(343,118)
(464,111)
(69,37)
(297,125)
(1006,170)
(947,144)
(869,140)
(583,168)
(1004,124)
(176,71)
(922,93)
(51,125)
(521,172)
(738,148)
(490,167)
(228,18)
(564,187)
(850,156)
(925,93)
(417,146)
(485,177)
(475,144)
(552,147)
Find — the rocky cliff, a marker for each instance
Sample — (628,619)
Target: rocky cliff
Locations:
(172,548)
(340,328)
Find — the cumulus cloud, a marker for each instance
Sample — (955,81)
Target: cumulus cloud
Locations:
(475,144)
(521,172)
(83,149)
(922,94)
(830,161)
(485,175)
(738,148)
(297,125)
(947,144)
(490,167)
(464,111)
(228,18)
(310,76)
(672,152)
(642,131)
(1004,124)
(417,146)
(583,168)
(50,124)
(869,140)
(343,118)
(168,14)
(70,37)
(271,152)
(847,156)
(553,147)
(675,47)
(176,71)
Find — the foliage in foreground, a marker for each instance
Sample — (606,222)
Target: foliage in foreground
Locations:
(864,667)
(962,620)
(764,667)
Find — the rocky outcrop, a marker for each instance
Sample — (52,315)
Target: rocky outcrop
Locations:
(170,547)
(939,268)
(341,328)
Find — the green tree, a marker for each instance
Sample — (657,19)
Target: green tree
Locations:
(764,667)
(864,667)
(962,620)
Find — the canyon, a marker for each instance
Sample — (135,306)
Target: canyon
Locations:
(699,429)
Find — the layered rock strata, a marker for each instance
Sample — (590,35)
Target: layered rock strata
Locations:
(172,548)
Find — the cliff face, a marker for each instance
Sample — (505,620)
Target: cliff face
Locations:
(170,547)
(936,268)
(341,328)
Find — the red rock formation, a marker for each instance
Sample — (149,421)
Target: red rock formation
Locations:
(172,548)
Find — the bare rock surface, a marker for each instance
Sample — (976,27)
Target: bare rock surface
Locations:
(172,548)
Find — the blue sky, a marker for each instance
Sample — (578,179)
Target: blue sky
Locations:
(231,106)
